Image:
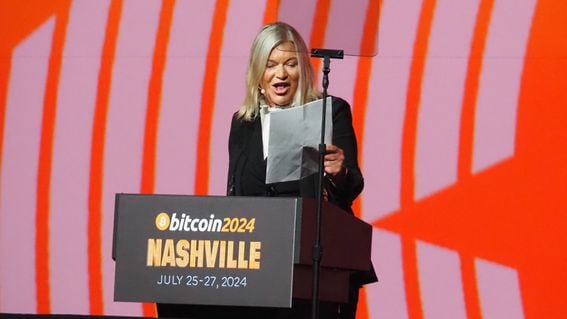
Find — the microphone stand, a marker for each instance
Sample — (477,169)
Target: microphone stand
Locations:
(327,55)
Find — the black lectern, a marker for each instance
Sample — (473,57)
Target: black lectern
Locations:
(232,251)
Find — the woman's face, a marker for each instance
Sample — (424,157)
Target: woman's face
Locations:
(281,76)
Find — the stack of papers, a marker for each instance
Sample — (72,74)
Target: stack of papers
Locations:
(295,134)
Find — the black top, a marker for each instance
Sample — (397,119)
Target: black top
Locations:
(247,167)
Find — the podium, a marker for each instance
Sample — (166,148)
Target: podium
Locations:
(232,251)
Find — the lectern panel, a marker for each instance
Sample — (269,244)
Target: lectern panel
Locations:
(205,250)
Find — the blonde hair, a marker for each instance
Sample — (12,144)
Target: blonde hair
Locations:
(271,36)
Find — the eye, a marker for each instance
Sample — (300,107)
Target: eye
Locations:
(291,63)
(270,64)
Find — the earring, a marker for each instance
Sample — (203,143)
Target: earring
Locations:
(262,91)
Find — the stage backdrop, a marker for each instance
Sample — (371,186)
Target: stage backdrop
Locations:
(460,117)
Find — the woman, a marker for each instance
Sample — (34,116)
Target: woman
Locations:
(279,76)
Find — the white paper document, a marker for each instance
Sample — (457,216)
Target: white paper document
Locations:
(295,134)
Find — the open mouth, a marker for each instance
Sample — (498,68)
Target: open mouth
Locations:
(281,87)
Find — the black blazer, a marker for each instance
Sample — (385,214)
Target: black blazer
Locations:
(247,167)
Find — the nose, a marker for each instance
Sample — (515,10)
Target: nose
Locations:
(281,72)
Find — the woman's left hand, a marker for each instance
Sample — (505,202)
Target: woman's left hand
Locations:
(334,160)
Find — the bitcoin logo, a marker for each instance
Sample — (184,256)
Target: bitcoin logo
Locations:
(162,221)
